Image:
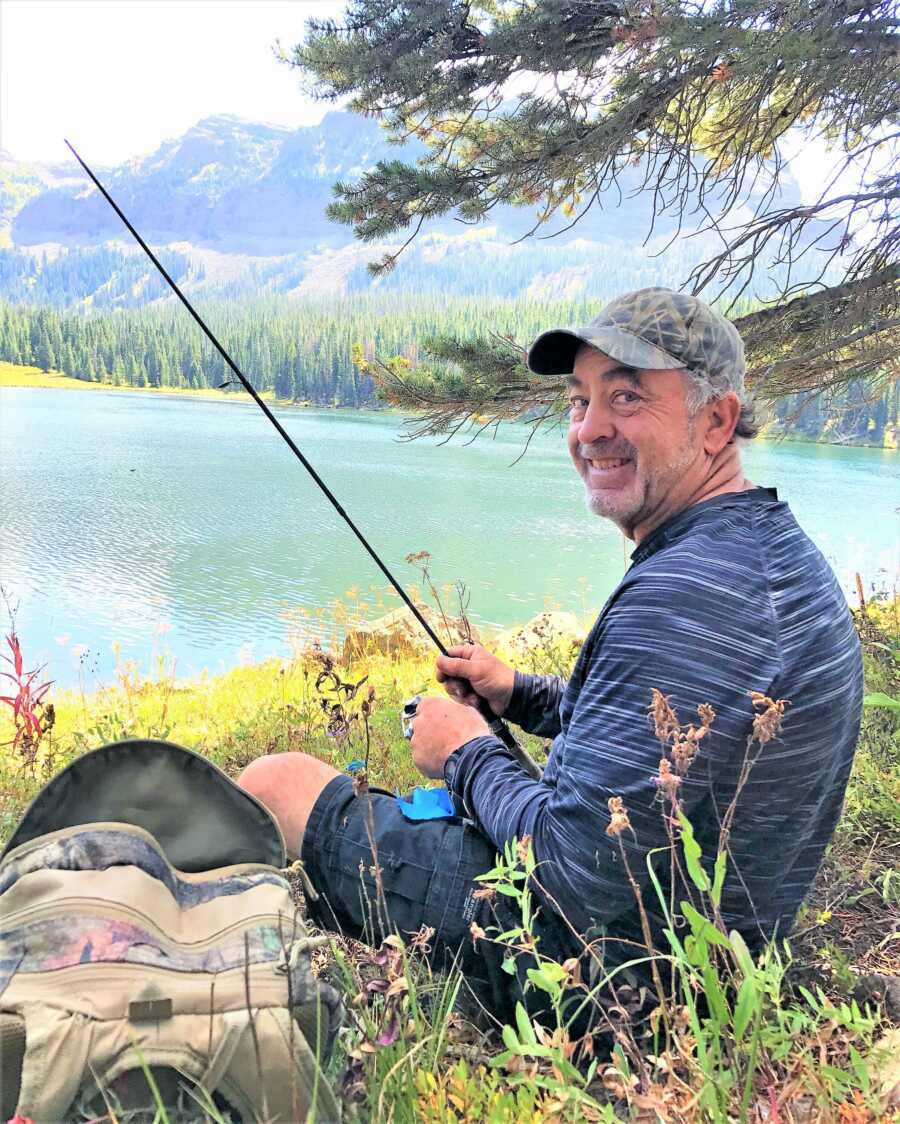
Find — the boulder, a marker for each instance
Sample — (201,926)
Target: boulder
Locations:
(399,633)
(545,644)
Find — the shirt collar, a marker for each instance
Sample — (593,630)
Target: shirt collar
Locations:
(675,527)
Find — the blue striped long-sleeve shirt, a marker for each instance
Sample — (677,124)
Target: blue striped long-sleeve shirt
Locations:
(727,597)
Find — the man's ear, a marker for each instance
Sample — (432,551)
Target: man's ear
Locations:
(722,416)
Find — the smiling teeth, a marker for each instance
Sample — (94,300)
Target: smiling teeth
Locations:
(609,462)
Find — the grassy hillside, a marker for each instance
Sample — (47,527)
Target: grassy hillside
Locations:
(800,1048)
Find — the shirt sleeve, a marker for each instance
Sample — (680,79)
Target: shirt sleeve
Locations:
(534,704)
(695,634)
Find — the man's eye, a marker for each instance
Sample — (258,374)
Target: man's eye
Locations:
(577,406)
(626,398)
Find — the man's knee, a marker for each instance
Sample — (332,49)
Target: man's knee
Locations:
(269,773)
(288,784)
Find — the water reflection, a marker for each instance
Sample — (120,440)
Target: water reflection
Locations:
(122,514)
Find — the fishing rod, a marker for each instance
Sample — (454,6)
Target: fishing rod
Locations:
(498,727)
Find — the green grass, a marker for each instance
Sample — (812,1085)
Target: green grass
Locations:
(798,1037)
(14,374)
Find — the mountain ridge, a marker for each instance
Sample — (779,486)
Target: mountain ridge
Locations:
(244,186)
(228,183)
(243,204)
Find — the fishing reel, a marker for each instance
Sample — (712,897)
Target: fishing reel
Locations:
(410,707)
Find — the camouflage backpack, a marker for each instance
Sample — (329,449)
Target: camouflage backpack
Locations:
(150,951)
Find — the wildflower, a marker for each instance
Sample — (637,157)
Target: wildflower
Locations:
(665,719)
(422,939)
(27,704)
(367,706)
(572,968)
(391,1032)
(523,848)
(339,725)
(667,781)
(767,723)
(486,893)
(478,934)
(683,753)
(619,820)
(350,689)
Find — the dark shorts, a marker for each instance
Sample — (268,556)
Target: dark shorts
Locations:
(428,871)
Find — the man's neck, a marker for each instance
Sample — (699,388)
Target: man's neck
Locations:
(725,474)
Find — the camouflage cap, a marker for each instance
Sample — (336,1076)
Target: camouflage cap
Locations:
(655,330)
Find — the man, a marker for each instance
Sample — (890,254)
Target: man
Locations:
(725,595)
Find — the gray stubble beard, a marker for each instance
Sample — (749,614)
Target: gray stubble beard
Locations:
(593,500)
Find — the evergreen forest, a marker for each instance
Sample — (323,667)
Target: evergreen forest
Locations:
(302,351)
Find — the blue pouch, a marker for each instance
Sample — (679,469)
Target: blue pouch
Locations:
(427,804)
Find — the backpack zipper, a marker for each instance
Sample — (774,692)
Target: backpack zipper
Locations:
(97,907)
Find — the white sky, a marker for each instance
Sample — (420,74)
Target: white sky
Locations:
(117,77)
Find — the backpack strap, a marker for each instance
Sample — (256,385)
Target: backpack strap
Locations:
(304,1094)
(57,1047)
(236,1022)
(12,1055)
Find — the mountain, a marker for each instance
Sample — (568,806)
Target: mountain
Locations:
(20,183)
(241,187)
(232,185)
(242,204)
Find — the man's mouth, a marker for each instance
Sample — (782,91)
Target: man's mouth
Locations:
(604,464)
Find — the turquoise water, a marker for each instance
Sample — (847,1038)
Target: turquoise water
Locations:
(185,528)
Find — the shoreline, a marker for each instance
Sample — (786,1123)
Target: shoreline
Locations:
(16,376)
(13,376)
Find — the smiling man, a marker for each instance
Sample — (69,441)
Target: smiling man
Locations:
(725,596)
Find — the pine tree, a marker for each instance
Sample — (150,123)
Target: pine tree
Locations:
(43,354)
(699,97)
(67,360)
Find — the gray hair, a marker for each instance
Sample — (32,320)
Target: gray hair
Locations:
(701,389)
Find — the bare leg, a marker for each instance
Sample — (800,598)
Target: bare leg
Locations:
(289,785)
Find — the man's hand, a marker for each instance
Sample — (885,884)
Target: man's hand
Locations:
(439,727)
(469,671)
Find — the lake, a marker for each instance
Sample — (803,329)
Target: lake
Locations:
(185,529)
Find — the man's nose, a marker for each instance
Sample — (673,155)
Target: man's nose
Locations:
(596,425)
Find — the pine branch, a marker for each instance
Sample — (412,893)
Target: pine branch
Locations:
(699,96)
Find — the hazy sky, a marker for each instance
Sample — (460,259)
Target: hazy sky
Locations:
(118,76)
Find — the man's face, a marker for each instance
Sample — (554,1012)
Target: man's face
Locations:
(632,440)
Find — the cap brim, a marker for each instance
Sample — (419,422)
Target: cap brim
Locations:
(553,352)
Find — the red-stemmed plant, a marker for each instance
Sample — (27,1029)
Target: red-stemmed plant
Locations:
(32,717)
